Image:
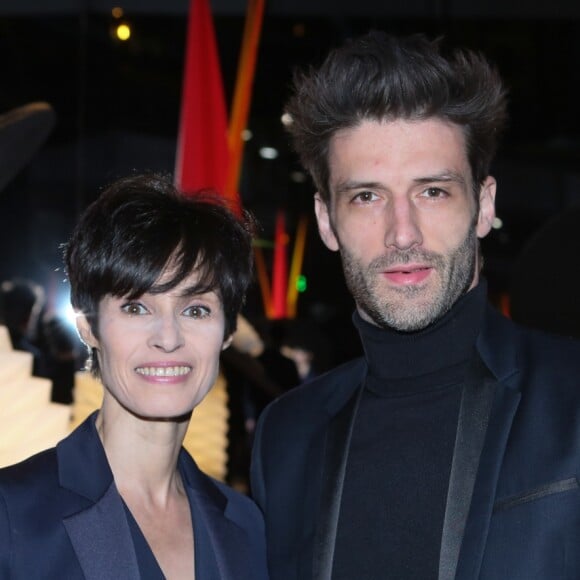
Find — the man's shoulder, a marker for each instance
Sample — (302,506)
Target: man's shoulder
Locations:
(331,389)
(530,360)
(500,331)
(528,338)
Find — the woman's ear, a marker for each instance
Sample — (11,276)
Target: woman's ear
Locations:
(86,332)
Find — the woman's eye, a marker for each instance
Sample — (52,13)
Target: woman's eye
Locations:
(197,311)
(134,308)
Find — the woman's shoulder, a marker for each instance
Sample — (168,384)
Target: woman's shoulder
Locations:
(37,470)
(28,488)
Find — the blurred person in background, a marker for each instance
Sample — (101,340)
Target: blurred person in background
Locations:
(21,302)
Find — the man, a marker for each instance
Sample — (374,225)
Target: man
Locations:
(452,448)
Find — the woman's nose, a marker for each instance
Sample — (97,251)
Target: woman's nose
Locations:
(166,334)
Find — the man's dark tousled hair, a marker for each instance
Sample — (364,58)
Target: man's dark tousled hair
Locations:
(383,77)
(141,227)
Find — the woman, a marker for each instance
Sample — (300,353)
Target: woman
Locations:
(157,281)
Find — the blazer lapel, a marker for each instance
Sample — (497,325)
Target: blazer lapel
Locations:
(100,533)
(102,540)
(220,543)
(210,541)
(474,414)
(504,407)
(497,347)
(335,459)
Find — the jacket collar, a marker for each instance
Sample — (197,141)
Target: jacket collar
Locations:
(498,346)
(82,464)
(219,539)
(100,534)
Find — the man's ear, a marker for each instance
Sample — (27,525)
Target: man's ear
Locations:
(324,225)
(486,213)
(86,332)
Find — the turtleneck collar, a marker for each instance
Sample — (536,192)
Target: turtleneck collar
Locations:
(408,362)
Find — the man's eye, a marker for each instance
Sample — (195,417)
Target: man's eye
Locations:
(197,311)
(134,308)
(433,192)
(365,196)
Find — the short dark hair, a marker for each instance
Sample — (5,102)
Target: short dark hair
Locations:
(141,224)
(383,77)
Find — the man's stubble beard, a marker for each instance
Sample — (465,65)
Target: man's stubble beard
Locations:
(411,308)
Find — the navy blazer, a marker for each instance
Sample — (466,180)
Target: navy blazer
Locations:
(61,516)
(513,505)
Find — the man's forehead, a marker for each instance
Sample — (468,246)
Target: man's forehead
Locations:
(413,150)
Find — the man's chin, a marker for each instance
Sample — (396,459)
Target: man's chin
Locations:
(403,317)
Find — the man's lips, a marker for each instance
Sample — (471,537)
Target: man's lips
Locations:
(407,274)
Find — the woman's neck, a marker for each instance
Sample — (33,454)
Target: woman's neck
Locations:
(142,454)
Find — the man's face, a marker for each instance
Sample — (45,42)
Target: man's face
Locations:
(403,216)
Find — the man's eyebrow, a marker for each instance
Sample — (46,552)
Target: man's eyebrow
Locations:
(443,177)
(349,185)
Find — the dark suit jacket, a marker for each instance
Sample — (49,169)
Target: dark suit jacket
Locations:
(61,516)
(513,507)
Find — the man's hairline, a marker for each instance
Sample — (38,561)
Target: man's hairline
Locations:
(327,199)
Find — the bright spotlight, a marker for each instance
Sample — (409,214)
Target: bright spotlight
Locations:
(268,153)
(123,32)
(70,315)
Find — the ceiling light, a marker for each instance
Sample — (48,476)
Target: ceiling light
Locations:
(268,153)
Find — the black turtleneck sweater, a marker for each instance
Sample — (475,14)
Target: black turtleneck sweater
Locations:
(399,462)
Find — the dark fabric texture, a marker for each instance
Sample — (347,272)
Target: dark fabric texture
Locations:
(531,444)
(402,446)
(62,517)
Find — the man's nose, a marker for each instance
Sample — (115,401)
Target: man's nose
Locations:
(402,230)
(166,333)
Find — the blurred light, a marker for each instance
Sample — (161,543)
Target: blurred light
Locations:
(117,12)
(123,32)
(301,283)
(62,306)
(268,153)
(69,315)
(298,176)
(286,119)
(497,223)
(247,135)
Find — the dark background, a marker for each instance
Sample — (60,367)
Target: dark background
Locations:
(117,107)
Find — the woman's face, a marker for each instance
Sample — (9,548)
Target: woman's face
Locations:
(159,354)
